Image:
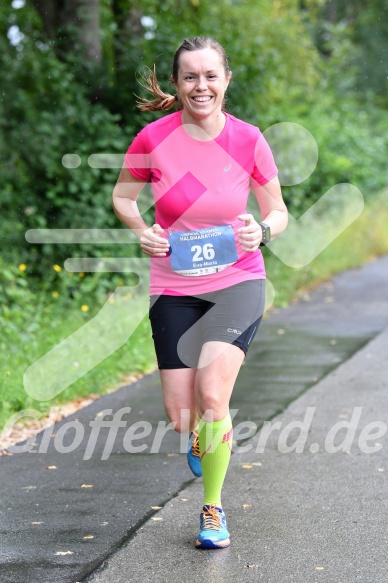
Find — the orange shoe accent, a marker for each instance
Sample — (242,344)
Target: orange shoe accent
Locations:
(195,446)
(213,531)
(211,517)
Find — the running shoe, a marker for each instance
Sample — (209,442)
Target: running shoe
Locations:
(213,531)
(193,456)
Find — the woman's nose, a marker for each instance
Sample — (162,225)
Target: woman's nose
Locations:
(201,83)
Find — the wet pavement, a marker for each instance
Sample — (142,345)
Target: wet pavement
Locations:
(318,516)
(70,515)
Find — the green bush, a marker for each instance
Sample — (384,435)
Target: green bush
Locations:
(352,144)
(44,114)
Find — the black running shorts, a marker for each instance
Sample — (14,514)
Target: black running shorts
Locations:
(182,324)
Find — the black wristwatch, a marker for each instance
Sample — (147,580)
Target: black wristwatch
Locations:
(266,234)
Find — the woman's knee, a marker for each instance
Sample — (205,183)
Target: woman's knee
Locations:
(212,404)
(182,419)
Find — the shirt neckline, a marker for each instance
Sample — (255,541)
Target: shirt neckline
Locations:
(216,139)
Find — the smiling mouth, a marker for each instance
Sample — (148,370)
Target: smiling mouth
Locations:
(204,99)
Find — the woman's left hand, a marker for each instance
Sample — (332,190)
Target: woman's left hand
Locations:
(249,236)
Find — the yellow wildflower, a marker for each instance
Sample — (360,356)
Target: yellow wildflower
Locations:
(55,294)
(22,267)
(85,308)
(57,268)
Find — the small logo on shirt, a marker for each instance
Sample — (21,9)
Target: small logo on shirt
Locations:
(228,167)
(234,331)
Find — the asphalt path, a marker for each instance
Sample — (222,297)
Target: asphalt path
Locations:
(89,513)
(317,516)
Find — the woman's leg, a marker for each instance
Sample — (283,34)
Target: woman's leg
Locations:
(228,329)
(218,368)
(179,397)
(172,317)
(181,408)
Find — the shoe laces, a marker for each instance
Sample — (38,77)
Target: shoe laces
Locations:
(211,518)
(195,446)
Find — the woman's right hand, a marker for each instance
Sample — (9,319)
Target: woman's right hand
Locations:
(152,243)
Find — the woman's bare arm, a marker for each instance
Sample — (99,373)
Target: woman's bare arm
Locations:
(124,199)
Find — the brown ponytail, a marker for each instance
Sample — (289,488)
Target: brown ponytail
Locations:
(162,100)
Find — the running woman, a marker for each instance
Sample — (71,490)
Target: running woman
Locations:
(207,272)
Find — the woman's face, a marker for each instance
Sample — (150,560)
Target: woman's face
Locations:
(201,83)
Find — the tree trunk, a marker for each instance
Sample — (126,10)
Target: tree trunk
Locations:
(80,16)
(331,12)
(48,12)
(84,16)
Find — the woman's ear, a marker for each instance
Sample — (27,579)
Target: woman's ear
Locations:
(172,81)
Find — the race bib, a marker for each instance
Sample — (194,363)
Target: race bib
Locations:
(202,252)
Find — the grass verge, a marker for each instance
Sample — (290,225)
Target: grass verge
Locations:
(365,239)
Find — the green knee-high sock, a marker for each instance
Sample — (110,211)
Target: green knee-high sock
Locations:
(215,444)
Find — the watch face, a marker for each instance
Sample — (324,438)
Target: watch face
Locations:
(266,233)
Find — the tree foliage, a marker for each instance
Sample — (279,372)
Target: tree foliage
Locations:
(69,74)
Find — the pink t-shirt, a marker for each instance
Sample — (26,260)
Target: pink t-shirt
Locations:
(198,184)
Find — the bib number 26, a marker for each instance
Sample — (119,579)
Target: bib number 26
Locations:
(203,252)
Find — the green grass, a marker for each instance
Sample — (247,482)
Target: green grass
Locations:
(365,239)
(134,357)
(32,333)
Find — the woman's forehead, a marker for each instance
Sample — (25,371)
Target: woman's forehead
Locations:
(204,59)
